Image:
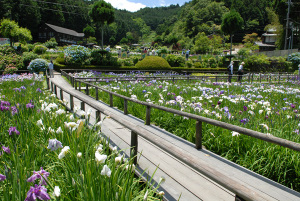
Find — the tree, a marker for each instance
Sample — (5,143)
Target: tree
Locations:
(88,31)
(231,23)
(103,14)
(10,29)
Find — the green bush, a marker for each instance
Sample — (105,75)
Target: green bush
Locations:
(9,70)
(188,64)
(51,43)
(295,59)
(30,47)
(175,61)
(153,63)
(261,63)
(28,57)
(40,49)
(125,62)
(6,49)
(103,58)
(60,59)
(13,60)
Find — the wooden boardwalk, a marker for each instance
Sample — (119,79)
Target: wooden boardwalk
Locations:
(181,181)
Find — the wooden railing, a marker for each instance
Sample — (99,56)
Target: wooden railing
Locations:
(240,190)
(269,78)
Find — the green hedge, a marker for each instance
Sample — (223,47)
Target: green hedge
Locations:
(153,63)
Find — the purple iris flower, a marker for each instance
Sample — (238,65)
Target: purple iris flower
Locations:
(160,86)
(144,91)
(22,87)
(37,191)
(6,149)
(13,130)
(245,108)
(29,105)
(54,144)
(42,175)
(293,106)
(2,177)
(16,89)
(39,90)
(226,109)
(222,92)
(244,121)
(295,131)
(14,110)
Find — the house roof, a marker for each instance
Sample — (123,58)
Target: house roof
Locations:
(65,31)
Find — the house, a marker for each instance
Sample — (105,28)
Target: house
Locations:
(62,35)
(268,41)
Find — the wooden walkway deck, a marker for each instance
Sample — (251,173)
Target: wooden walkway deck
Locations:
(181,181)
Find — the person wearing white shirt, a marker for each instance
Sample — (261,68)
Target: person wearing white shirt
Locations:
(240,72)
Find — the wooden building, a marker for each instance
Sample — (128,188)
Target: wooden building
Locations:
(62,35)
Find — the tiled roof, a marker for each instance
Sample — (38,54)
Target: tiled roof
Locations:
(65,31)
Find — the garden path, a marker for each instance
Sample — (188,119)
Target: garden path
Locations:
(181,181)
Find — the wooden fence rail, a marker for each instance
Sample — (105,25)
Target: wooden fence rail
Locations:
(239,189)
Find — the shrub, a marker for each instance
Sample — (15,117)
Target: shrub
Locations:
(38,65)
(153,63)
(60,59)
(51,43)
(30,47)
(189,64)
(6,49)
(10,59)
(261,63)
(40,49)
(77,55)
(125,62)
(103,58)
(28,57)
(295,59)
(175,61)
(10,70)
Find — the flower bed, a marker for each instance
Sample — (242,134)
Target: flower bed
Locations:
(47,153)
(272,109)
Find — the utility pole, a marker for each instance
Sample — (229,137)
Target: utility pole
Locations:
(287,23)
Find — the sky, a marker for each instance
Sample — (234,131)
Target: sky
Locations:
(135,5)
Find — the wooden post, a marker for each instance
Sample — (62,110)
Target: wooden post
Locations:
(260,77)
(111,102)
(71,102)
(51,86)
(75,84)
(249,78)
(216,78)
(47,79)
(82,106)
(252,78)
(79,85)
(55,90)
(198,142)
(148,114)
(87,89)
(72,81)
(288,77)
(278,78)
(134,147)
(61,95)
(97,95)
(98,115)
(125,106)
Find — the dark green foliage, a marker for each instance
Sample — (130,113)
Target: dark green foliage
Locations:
(262,63)
(12,60)
(103,58)
(51,43)
(4,49)
(232,22)
(88,31)
(40,49)
(153,63)
(175,61)
(28,57)
(295,59)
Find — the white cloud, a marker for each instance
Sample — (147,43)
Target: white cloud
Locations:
(162,2)
(125,4)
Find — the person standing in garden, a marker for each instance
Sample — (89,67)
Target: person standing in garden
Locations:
(240,72)
(187,54)
(230,71)
(51,67)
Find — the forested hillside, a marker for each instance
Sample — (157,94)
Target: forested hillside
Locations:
(180,26)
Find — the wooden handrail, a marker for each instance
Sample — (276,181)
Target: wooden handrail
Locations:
(241,130)
(238,188)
